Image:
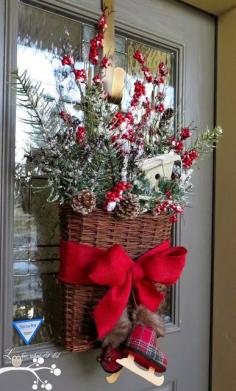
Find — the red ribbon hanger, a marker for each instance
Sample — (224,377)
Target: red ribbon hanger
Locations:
(86,265)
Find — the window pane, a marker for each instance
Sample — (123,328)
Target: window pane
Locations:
(153,56)
(41,36)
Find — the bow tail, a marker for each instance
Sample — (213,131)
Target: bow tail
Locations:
(148,295)
(109,309)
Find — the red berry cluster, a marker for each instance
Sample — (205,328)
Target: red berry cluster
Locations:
(115,195)
(93,52)
(161,95)
(120,118)
(105,63)
(129,136)
(159,79)
(80,134)
(99,40)
(163,70)
(168,194)
(146,71)
(97,79)
(162,73)
(123,131)
(147,105)
(139,57)
(148,108)
(185,133)
(168,206)
(80,75)
(139,90)
(188,158)
(147,74)
(177,145)
(129,116)
(173,219)
(67,60)
(102,23)
(160,108)
(98,43)
(161,208)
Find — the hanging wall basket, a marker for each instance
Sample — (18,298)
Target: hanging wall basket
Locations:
(100,229)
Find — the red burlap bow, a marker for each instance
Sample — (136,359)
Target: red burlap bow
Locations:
(86,265)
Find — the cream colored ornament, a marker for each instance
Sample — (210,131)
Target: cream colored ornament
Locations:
(16,361)
(160,166)
(148,375)
(114,377)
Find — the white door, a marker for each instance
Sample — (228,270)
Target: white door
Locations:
(187,38)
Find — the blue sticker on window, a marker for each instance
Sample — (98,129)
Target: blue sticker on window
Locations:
(27,328)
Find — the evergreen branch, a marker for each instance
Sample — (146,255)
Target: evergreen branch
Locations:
(207,140)
(41,112)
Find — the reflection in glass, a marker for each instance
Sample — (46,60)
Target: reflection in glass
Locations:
(153,56)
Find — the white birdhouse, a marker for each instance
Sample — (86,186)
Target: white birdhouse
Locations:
(160,166)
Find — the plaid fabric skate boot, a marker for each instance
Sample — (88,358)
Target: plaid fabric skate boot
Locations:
(142,344)
(108,358)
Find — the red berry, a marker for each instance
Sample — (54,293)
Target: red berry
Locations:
(160,107)
(105,62)
(80,75)
(67,60)
(102,23)
(163,70)
(80,134)
(139,57)
(185,133)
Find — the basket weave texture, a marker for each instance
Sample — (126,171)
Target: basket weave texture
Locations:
(102,230)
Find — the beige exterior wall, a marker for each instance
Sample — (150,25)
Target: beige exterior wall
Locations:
(215,7)
(224,320)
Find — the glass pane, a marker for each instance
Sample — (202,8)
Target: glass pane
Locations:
(120,60)
(88,33)
(120,44)
(41,38)
(153,56)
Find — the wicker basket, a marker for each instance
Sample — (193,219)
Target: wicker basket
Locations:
(102,230)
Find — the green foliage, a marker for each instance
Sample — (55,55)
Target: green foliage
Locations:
(207,140)
(149,196)
(41,112)
(54,152)
(97,164)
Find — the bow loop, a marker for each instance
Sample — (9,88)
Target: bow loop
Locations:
(165,268)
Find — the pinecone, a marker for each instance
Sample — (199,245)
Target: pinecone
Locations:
(84,202)
(128,207)
(165,118)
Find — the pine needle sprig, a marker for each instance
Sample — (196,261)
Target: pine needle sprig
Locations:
(206,141)
(41,112)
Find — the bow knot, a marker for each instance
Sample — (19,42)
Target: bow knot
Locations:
(137,273)
(86,265)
